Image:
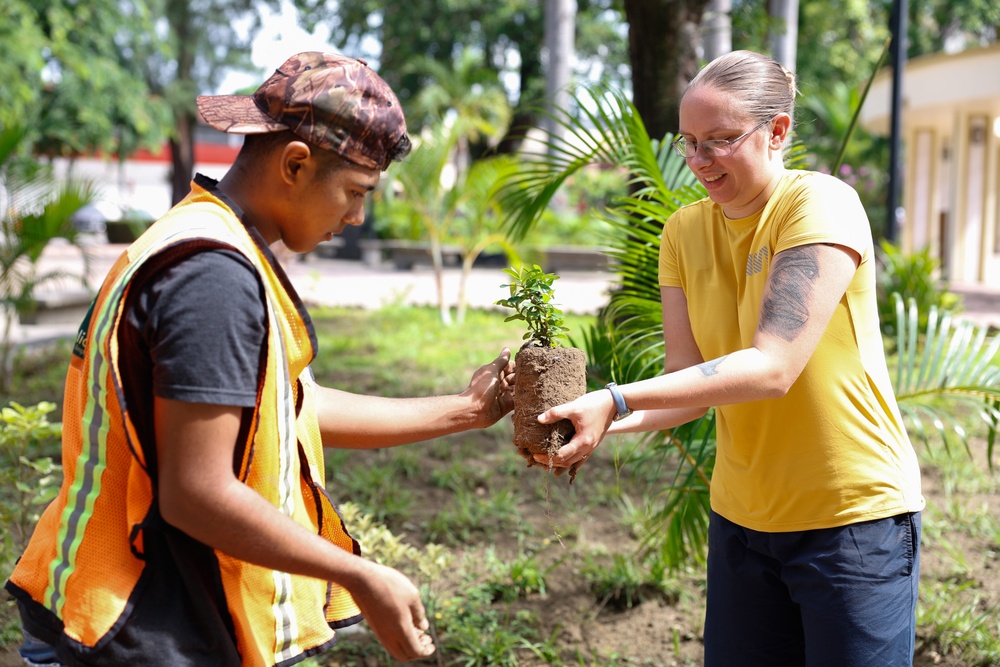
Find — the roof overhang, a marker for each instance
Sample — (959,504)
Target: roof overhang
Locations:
(935,87)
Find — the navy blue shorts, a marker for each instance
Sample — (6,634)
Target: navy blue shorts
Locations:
(843,597)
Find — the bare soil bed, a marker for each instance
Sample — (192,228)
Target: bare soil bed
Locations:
(475,495)
(586,518)
(567,522)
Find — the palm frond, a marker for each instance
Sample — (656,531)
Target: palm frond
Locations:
(607,131)
(947,375)
(677,527)
(857,112)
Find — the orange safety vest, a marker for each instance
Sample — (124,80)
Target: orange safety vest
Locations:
(97,549)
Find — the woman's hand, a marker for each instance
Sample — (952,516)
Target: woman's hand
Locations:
(591,415)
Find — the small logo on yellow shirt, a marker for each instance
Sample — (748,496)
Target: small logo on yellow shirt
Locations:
(758,261)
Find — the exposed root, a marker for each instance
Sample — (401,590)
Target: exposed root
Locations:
(548,505)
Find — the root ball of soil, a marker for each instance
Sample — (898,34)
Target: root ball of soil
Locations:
(546,376)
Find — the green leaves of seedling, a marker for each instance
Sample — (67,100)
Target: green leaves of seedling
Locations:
(531,298)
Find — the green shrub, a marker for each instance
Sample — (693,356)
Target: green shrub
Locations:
(27,481)
(913,276)
(482,635)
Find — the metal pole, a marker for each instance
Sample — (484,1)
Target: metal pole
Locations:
(894,209)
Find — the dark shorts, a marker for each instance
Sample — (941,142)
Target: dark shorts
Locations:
(843,597)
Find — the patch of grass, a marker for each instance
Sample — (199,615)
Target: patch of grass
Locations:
(407,351)
(39,374)
(956,621)
(509,580)
(469,445)
(480,634)
(624,582)
(470,516)
(10,621)
(374,486)
(459,475)
(961,473)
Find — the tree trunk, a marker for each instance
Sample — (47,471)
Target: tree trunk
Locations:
(463,281)
(181,17)
(437,259)
(525,116)
(718,29)
(560,20)
(784,31)
(662,37)
(182,157)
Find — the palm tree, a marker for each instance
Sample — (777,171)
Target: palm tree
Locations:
(944,371)
(461,211)
(466,96)
(35,210)
(424,198)
(478,224)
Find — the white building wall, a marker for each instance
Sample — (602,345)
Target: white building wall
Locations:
(136,184)
(951,126)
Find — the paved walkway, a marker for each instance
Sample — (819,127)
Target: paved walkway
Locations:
(353,284)
(333,282)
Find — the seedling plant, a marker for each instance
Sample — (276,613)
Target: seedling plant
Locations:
(531,298)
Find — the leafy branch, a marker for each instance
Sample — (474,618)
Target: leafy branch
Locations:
(531,296)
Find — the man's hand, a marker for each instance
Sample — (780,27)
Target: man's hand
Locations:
(391,605)
(492,388)
(200,494)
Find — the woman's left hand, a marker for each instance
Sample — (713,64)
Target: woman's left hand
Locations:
(591,415)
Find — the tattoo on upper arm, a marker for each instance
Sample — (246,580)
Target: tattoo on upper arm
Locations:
(785,306)
(708,368)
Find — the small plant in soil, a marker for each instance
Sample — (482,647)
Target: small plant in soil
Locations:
(547,373)
(531,297)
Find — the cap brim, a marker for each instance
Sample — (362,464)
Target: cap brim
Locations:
(236,114)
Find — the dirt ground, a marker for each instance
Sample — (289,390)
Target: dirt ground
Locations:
(667,633)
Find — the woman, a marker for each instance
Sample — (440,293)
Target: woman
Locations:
(769,314)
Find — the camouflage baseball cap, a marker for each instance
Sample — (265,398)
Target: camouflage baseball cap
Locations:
(333,101)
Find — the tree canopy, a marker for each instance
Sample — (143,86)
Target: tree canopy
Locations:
(508,34)
(111,76)
(70,77)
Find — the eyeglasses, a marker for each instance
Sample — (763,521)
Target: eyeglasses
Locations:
(712,147)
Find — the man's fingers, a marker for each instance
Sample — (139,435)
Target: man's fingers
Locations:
(425,643)
(419,615)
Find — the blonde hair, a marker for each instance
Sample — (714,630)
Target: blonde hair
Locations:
(760,85)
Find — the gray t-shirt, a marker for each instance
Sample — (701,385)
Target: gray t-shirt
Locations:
(193,331)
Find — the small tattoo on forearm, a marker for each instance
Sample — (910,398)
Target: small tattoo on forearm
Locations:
(784,310)
(708,368)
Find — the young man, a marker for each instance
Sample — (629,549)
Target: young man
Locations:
(193,526)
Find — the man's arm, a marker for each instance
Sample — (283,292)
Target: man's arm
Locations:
(200,495)
(354,421)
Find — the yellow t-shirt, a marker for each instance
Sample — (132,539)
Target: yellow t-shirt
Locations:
(833,450)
